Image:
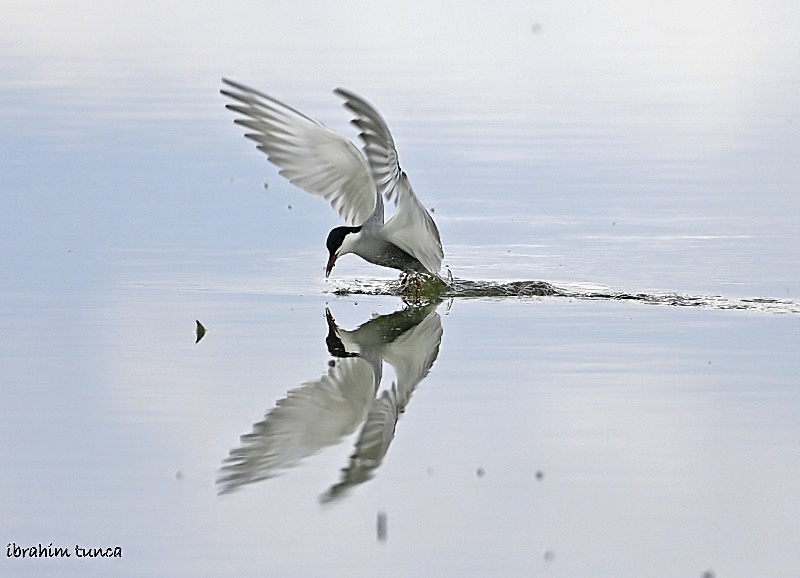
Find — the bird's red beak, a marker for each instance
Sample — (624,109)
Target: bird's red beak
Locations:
(329,266)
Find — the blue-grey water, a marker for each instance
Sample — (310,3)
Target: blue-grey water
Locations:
(641,421)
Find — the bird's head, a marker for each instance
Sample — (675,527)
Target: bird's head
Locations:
(338,245)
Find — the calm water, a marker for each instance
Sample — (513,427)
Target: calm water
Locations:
(614,151)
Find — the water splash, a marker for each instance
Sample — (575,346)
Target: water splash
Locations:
(462,288)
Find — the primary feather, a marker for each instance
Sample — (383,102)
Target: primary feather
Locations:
(324,163)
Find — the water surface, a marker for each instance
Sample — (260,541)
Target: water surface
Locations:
(624,157)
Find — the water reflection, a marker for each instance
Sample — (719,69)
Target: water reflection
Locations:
(321,413)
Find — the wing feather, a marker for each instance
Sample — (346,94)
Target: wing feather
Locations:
(307,153)
(411,228)
(312,417)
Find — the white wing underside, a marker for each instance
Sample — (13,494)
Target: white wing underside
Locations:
(324,163)
(314,416)
(309,154)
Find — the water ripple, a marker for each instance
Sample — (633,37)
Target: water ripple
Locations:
(463,288)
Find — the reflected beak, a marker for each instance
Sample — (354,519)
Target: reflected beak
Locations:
(329,266)
(331,322)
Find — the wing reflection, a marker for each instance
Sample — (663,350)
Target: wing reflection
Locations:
(321,413)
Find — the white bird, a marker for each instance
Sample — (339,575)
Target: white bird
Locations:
(324,163)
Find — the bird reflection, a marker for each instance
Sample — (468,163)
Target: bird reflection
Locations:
(321,413)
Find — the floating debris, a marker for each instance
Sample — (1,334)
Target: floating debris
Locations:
(199,331)
(381,526)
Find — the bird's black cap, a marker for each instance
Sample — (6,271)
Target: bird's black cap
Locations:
(337,235)
(335,240)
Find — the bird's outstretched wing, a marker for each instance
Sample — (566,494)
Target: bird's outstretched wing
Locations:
(373,442)
(314,416)
(412,355)
(310,155)
(411,228)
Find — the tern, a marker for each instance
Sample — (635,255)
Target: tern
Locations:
(324,163)
(322,412)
